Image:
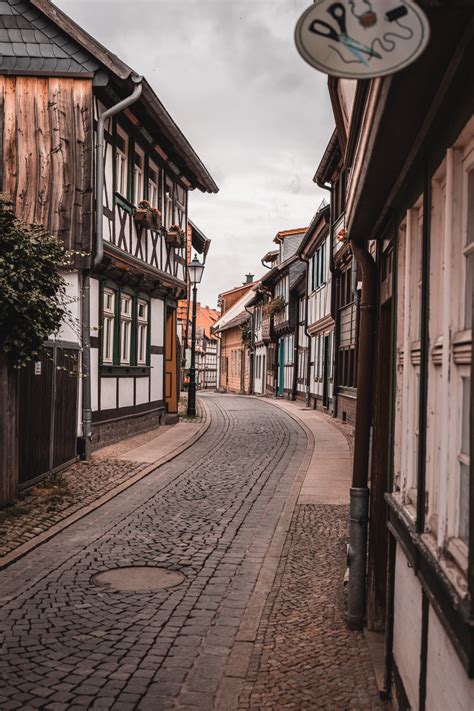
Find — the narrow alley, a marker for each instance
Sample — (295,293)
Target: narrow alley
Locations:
(208,623)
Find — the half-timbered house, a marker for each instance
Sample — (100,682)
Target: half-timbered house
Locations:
(410,221)
(331,175)
(316,251)
(282,309)
(122,209)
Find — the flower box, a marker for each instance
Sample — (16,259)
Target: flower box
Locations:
(175,236)
(147,216)
(143,217)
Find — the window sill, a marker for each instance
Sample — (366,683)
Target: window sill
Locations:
(124,371)
(123,202)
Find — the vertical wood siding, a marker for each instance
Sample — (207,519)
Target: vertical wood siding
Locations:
(47,154)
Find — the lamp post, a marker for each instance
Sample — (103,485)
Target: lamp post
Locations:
(195,270)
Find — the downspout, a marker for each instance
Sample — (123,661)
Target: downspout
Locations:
(334,309)
(359,493)
(308,336)
(85,291)
(252,351)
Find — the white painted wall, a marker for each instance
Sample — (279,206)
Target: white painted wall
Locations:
(142,389)
(94,299)
(94,379)
(157,322)
(71,327)
(125,392)
(407,627)
(156,362)
(108,393)
(447,685)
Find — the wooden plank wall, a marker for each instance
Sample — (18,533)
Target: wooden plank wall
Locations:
(47,154)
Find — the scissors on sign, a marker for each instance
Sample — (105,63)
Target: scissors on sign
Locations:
(324,29)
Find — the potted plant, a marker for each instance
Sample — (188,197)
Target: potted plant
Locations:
(175,236)
(146,215)
(342,235)
(277,305)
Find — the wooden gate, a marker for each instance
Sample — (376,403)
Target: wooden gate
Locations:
(48,413)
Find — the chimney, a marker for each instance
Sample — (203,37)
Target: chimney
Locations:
(249,278)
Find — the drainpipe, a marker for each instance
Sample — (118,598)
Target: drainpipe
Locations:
(85,291)
(359,493)
(307,261)
(251,351)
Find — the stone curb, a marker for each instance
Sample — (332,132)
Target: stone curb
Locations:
(26,548)
(232,683)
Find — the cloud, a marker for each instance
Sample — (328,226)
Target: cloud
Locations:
(257,115)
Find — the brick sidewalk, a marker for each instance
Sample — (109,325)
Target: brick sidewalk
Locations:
(305,657)
(61,495)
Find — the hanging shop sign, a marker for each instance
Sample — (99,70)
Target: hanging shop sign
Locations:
(359,39)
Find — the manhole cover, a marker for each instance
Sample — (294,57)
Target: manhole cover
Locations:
(139,579)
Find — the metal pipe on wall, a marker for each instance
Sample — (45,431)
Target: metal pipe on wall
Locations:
(85,289)
(359,493)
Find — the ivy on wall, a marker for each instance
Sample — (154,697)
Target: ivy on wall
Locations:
(33,301)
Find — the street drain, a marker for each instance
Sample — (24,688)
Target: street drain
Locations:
(139,579)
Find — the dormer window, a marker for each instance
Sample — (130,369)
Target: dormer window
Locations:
(121,162)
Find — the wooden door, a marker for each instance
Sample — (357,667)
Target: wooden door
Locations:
(48,403)
(171,362)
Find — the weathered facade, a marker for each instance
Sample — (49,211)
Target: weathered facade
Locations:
(316,251)
(234,357)
(409,217)
(130,266)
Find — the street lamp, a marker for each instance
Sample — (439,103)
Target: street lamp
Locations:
(195,270)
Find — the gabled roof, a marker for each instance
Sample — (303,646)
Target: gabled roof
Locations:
(280,236)
(329,162)
(37,36)
(319,221)
(237,313)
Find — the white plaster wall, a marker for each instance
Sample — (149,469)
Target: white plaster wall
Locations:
(94,299)
(156,362)
(447,684)
(71,329)
(407,627)
(94,379)
(125,392)
(108,393)
(157,322)
(142,388)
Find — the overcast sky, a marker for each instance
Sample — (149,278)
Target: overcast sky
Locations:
(257,115)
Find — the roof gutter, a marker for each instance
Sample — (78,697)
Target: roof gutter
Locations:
(100,168)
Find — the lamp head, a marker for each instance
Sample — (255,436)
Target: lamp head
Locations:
(196,270)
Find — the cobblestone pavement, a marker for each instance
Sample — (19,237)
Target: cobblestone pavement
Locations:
(61,495)
(305,657)
(211,514)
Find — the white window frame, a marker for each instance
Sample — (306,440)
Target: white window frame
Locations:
(108,325)
(138,175)
(142,332)
(121,164)
(153,186)
(126,320)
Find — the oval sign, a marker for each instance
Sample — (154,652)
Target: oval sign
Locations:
(362,39)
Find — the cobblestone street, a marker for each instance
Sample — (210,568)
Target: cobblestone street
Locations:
(215,515)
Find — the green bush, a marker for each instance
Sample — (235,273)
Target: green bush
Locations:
(33,300)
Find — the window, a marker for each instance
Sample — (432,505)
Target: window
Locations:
(125,328)
(142,332)
(464,462)
(138,175)
(347,375)
(319,267)
(121,162)
(469,252)
(108,326)
(345,287)
(153,195)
